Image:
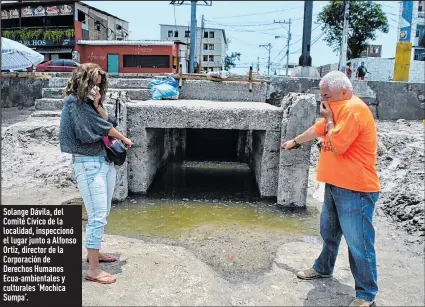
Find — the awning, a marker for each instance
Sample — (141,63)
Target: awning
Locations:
(53,50)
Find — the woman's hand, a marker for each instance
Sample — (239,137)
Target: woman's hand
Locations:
(127,142)
(97,97)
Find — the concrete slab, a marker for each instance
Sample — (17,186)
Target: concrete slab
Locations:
(133,94)
(48,104)
(121,83)
(203,114)
(223,91)
(299,114)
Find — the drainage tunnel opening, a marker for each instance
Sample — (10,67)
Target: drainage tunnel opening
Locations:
(206,164)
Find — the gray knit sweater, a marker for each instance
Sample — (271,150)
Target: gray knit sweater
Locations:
(82,128)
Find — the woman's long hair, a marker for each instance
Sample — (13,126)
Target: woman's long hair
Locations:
(83,79)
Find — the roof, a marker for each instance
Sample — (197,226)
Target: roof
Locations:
(198,28)
(125,43)
(58,2)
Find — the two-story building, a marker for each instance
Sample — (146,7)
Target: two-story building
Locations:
(52,28)
(210,48)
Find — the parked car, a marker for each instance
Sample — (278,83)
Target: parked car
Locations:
(59,65)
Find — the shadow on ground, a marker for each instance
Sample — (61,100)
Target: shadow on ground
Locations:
(326,291)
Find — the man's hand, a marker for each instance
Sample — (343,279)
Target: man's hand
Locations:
(127,142)
(326,111)
(288,145)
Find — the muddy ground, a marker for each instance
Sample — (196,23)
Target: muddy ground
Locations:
(233,264)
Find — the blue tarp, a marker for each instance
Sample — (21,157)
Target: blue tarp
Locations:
(164,88)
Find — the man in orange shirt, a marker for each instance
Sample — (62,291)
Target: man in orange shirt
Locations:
(347,165)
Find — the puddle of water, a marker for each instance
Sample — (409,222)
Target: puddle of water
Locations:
(171,219)
(221,195)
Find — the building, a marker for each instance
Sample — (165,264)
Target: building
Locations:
(411,27)
(53,27)
(372,51)
(130,56)
(210,49)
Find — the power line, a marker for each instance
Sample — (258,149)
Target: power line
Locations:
(263,13)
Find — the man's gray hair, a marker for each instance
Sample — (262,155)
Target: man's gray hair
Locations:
(336,80)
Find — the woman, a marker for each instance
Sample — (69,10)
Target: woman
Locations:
(84,122)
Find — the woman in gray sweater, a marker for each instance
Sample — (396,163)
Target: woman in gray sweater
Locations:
(83,123)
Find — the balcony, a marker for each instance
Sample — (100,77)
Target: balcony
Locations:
(39,34)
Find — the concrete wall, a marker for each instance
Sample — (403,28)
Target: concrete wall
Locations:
(387,100)
(21,92)
(381,69)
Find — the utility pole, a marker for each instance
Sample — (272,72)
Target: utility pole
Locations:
(192,29)
(344,43)
(258,65)
(305,58)
(200,45)
(192,36)
(288,41)
(269,48)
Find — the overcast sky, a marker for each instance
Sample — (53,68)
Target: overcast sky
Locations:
(247,23)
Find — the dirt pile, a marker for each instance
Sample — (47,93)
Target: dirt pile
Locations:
(400,165)
(31,155)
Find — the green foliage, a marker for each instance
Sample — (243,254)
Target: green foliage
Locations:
(29,34)
(230,61)
(365,19)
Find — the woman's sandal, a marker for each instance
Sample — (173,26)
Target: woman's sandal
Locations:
(105,259)
(105,280)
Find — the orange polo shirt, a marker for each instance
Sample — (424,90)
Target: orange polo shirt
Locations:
(354,138)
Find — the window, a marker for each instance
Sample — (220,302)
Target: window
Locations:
(205,58)
(85,35)
(211,34)
(211,58)
(205,46)
(69,63)
(417,33)
(81,16)
(57,63)
(420,8)
(186,33)
(205,34)
(147,61)
(176,33)
(170,33)
(211,46)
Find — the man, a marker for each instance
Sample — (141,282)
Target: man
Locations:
(347,166)
(361,71)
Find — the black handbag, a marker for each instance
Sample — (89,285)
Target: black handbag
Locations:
(115,150)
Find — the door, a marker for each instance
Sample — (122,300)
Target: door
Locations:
(113,63)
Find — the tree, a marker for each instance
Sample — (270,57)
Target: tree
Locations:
(365,19)
(230,61)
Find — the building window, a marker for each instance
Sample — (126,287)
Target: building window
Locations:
(420,9)
(186,33)
(205,34)
(85,35)
(211,58)
(170,33)
(205,58)
(417,33)
(211,46)
(205,46)
(211,34)
(176,33)
(147,61)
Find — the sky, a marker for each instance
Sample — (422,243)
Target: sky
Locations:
(248,24)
